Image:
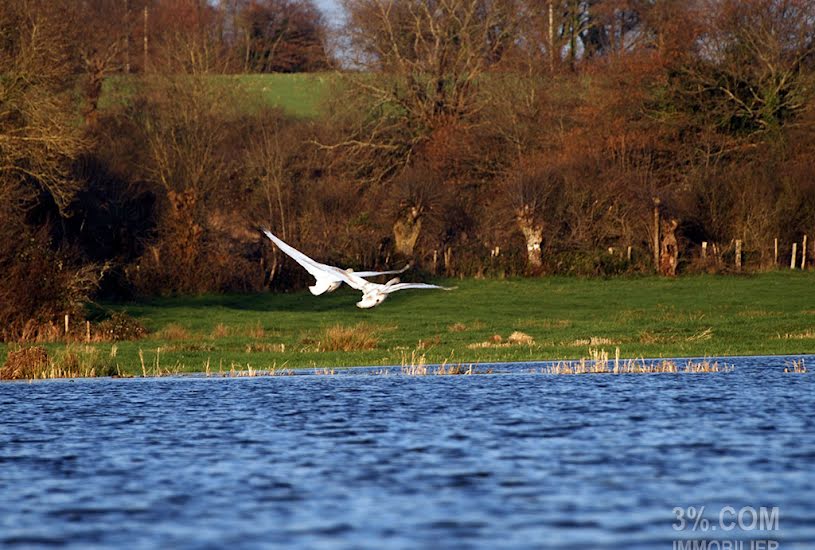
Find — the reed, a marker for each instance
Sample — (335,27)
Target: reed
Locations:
(453,369)
(599,363)
(416,365)
(796,366)
(74,361)
(282,371)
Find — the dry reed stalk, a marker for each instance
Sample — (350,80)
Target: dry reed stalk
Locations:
(797,366)
(417,365)
(600,364)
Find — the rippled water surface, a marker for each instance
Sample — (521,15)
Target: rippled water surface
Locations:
(370,461)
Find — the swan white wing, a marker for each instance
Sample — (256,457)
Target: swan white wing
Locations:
(312,266)
(321,272)
(388,289)
(354,280)
(375,273)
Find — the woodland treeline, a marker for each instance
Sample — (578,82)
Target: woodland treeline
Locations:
(470,137)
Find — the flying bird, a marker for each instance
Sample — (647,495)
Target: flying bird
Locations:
(329,277)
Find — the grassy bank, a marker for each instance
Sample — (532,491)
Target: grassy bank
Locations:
(299,95)
(553,318)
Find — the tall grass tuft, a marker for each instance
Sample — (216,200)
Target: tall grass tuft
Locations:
(173,331)
(25,363)
(264,347)
(74,361)
(517,338)
(342,338)
(255,331)
(221,331)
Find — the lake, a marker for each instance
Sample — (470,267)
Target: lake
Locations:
(358,460)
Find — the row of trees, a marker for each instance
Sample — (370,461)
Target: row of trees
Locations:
(474,137)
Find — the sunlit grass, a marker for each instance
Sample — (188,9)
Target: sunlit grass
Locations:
(693,316)
(301,95)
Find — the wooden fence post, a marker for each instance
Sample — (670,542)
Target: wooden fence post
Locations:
(704,250)
(738,254)
(656,233)
(775,252)
(66,324)
(804,253)
(794,254)
(629,254)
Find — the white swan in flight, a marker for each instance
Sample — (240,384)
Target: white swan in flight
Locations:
(329,278)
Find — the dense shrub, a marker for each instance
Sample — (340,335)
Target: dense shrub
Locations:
(40,285)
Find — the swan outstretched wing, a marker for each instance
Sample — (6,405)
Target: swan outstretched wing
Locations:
(389,289)
(375,273)
(312,266)
(322,272)
(328,274)
(353,279)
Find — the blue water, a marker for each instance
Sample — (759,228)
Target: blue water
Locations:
(512,460)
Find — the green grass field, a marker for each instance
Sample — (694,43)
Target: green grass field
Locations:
(771,313)
(301,95)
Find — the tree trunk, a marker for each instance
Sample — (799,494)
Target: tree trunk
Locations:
(669,252)
(95,68)
(655,234)
(406,232)
(533,234)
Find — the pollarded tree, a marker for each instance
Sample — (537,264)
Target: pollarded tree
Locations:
(528,200)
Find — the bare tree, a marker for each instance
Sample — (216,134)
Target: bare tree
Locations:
(281,36)
(749,73)
(38,134)
(424,62)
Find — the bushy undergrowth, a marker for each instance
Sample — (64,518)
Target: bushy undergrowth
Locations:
(40,286)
